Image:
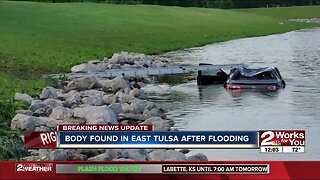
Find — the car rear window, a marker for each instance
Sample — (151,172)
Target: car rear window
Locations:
(261,76)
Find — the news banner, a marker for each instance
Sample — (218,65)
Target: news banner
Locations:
(143,136)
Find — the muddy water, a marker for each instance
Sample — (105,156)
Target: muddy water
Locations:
(296,54)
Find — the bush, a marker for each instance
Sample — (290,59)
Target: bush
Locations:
(11,145)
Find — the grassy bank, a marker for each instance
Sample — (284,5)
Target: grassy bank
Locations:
(285,12)
(38,38)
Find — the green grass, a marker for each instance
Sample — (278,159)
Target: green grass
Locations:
(38,38)
(285,12)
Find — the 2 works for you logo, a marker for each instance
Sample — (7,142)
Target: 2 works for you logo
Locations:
(34,167)
(282,138)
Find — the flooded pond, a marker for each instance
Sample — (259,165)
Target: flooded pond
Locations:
(296,54)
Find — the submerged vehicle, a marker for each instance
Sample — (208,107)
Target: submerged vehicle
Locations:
(263,78)
(212,76)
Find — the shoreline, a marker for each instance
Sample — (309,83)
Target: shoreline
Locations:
(93,100)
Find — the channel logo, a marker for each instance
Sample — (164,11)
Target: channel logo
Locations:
(282,138)
(34,167)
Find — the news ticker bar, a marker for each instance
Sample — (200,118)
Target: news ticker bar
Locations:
(160,170)
(163,168)
(170,139)
(142,136)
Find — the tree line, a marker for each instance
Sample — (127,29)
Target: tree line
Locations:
(223,4)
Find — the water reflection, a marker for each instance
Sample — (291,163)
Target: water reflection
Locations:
(209,91)
(257,92)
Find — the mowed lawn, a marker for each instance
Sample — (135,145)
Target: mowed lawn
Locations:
(285,12)
(38,38)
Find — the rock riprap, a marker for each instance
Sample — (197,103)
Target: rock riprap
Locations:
(94,100)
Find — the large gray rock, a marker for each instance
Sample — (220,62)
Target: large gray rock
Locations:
(25,112)
(92,92)
(96,115)
(93,100)
(116,107)
(117,154)
(126,90)
(44,152)
(173,155)
(89,67)
(36,104)
(73,120)
(46,111)
(23,97)
(122,58)
(52,103)
(49,92)
(91,152)
(81,68)
(58,155)
(134,117)
(155,112)
(114,153)
(61,113)
(126,108)
(138,105)
(41,112)
(41,121)
(63,96)
(159,63)
(23,122)
(135,154)
(72,98)
(158,124)
(53,123)
(123,97)
(144,62)
(100,157)
(165,155)
(114,85)
(150,105)
(114,66)
(138,93)
(74,155)
(198,157)
(109,154)
(109,99)
(83,83)
(42,129)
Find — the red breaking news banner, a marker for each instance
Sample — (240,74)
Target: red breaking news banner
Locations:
(94,127)
(40,140)
(48,170)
